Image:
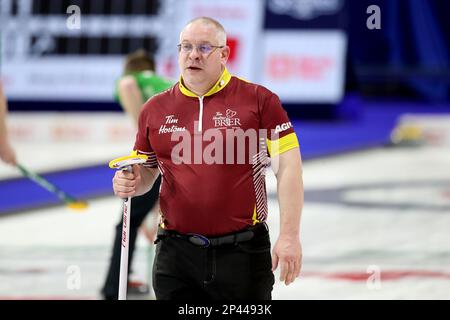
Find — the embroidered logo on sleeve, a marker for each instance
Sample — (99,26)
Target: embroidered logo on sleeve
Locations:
(283,127)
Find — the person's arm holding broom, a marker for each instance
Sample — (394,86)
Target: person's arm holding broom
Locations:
(7,153)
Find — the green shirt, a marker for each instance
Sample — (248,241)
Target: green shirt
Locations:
(149,84)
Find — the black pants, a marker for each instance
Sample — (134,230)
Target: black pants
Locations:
(242,271)
(140,207)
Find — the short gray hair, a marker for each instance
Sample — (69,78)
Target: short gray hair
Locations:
(221,34)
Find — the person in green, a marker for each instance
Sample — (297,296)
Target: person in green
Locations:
(138,84)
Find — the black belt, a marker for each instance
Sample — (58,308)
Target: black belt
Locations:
(203,241)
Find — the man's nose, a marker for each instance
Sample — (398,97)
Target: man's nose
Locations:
(194,54)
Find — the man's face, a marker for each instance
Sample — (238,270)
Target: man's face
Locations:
(197,67)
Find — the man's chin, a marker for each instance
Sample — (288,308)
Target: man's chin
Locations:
(193,77)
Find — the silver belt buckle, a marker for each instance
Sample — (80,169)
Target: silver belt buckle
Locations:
(198,240)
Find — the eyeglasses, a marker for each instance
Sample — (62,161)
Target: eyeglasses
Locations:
(202,48)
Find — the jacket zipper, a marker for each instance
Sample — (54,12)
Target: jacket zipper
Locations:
(200,114)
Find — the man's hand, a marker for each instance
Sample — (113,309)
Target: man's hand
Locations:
(126,184)
(288,253)
(7,154)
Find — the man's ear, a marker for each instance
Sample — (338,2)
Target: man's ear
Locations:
(225,54)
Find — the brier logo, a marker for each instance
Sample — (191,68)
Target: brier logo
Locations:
(229,120)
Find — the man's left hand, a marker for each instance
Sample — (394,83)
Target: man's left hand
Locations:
(288,253)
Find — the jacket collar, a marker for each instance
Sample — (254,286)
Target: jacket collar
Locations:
(219,85)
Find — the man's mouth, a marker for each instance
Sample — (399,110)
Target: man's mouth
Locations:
(193,68)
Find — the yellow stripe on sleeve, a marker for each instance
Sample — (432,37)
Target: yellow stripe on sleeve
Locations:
(279,146)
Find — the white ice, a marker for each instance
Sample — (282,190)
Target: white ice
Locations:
(58,254)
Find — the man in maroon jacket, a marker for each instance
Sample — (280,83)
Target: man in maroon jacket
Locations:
(210,136)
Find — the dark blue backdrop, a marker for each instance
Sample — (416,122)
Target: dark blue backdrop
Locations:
(409,54)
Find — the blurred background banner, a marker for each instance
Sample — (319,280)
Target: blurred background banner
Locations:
(304,50)
(53,53)
(308,51)
(305,66)
(45,59)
